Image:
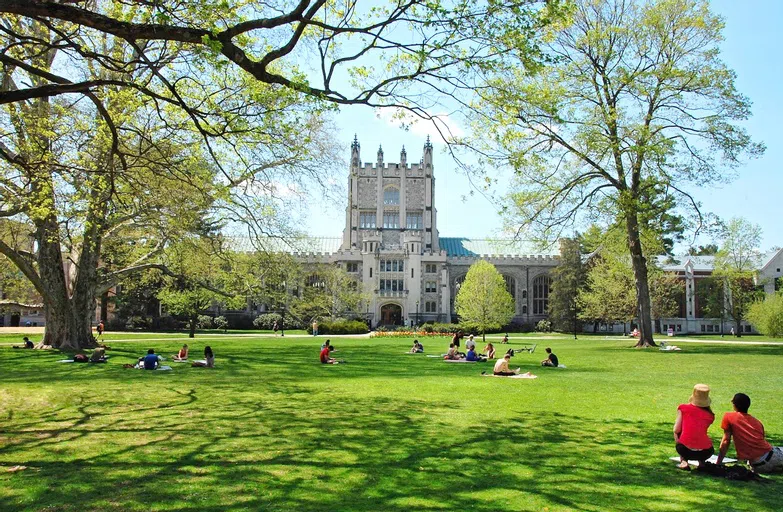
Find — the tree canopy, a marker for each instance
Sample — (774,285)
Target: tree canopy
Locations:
(483,300)
(633,105)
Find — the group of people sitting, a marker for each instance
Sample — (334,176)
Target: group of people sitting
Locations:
(693,443)
(326,350)
(152,361)
(472,355)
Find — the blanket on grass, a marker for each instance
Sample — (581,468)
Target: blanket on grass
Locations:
(711,460)
(520,376)
(459,361)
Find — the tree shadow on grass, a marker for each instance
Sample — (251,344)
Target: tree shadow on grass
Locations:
(195,451)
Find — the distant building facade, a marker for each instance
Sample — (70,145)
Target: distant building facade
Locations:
(391,245)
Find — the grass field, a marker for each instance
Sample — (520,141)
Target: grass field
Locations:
(272,429)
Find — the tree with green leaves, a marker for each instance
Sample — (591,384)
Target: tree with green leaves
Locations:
(736,266)
(567,279)
(633,104)
(483,299)
(132,125)
(767,315)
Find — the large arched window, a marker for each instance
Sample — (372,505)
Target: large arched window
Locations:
(391,196)
(511,286)
(541,286)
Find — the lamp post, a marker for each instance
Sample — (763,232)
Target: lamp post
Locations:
(417,314)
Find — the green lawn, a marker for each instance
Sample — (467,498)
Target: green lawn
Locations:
(272,429)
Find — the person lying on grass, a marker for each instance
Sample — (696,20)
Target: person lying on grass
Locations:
(551,359)
(325,359)
(472,356)
(27,343)
(417,347)
(690,428)
(182,355)
(209,359)
(489,351)
(749,438)
(150,361)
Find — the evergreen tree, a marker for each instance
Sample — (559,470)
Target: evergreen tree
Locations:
(567,279)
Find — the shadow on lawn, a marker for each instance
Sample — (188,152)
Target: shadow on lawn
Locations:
(199,451)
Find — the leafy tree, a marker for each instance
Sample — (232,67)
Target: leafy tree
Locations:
(483,299)
(633,104)
(703,250)
(736,266)
(567,279)
(173,114)
(767,315)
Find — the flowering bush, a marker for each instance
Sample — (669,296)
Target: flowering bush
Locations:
(408,334)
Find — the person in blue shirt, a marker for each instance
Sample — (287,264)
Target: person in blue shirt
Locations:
(151,360)
(472,356)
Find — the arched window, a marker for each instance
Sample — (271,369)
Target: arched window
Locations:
(391,196)
(541,286)
(524,294)
(511,286)
(524,309)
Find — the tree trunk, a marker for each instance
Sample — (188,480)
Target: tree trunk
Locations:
(738,328)
(193,321)
(639,264)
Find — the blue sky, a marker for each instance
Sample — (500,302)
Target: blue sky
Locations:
(751,48)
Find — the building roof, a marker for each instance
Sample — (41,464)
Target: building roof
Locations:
(309,244)
(458,246)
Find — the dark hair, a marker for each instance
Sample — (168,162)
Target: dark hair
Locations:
(25,339)
(151,351)
(742,402)
(415,341)
(451,344)
(327,343)
(208,351)
(548,350)
(708,409)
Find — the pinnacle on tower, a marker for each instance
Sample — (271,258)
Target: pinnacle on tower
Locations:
(355,145)
(428,144)
(380,155)
(403,156)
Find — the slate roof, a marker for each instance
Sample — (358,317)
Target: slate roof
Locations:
(458,246)
(310,244)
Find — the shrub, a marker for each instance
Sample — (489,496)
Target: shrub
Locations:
(220,322)
(266,321)
(204,322)
(340,326)
(450,328)
(767,316)
(544,326)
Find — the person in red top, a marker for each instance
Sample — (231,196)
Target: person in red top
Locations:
(690,427)
(749,439)
(325,359)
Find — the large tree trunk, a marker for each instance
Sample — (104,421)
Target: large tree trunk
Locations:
(639,264)
(193,321)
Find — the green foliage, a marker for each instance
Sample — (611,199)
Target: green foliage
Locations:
(567,279)
(340,326)
(441,327)
(483,300)
(767,315)
(267,320)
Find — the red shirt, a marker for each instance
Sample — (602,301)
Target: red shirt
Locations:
(695,422)
(748,433)
(325,355)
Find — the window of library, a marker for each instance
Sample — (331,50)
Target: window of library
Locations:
(430,307)
(431,268)
(392,266)
(430,287)
(367,220)
(541,286)
(391,220)
(352,267)
(413,221)
(391,196)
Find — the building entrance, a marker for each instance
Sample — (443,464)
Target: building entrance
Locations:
(391,314)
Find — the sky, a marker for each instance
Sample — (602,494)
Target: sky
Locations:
(751,49)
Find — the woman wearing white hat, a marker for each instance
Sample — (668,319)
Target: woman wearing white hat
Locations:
(690,427)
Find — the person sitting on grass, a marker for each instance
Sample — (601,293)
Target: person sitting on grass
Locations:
(98,355)
(452,354)
(417,347)
(473,356)
(209,359)
(183,353)
(325,359)
(690,428)
(26,343)
(150,361)
(489,351)
(505,338)
(749,439)
(502,369)
(551,359)
(470,344)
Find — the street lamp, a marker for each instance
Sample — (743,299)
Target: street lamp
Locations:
(417,314)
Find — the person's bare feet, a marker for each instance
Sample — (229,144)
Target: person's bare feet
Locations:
(683,465)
